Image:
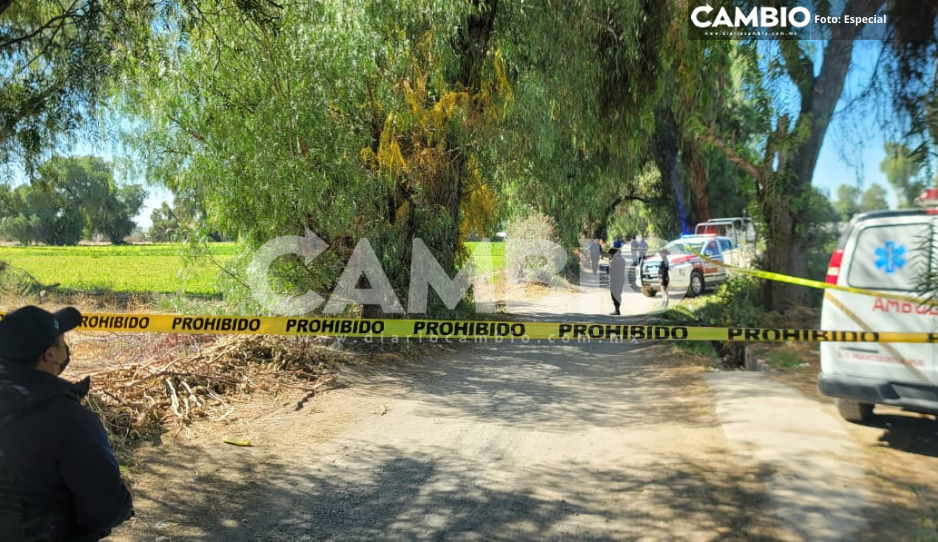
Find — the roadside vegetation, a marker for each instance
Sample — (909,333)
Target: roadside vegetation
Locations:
(458,119)
(444,120)
(155,269)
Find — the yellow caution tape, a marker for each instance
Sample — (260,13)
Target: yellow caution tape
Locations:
(816,283)
(887,347)
(396,330)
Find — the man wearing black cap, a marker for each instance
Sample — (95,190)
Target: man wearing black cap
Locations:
(58,478)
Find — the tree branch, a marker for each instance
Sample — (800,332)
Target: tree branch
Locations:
(776,137)
(45,49)
(800,70)
(857,8)
(64,16)
(195,134)
(758,174)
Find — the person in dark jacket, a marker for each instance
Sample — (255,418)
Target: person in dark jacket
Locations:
(664,276)
(616,278)
(59,480)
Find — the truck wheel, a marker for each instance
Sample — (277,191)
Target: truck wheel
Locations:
(855,411)
(649,292)
(696,284)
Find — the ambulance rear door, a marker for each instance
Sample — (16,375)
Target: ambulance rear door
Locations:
(888,254)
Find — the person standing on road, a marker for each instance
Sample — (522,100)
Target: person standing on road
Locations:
(595,250)
(633,247)
(616,278)
(664,276)
(642,249)
(59,480)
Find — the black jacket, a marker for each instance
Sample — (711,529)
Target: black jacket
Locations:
(55,454)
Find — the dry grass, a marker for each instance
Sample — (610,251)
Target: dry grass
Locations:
(157,383)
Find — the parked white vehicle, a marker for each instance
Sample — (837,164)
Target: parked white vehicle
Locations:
(688,271)
(885,251)
(740,231)
(742,235)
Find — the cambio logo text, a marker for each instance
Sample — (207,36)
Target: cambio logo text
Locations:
(761,17)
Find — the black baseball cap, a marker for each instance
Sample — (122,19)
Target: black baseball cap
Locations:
(27,332)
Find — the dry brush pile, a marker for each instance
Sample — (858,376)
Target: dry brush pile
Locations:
(153,383)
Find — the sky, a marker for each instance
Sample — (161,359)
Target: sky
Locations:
(157,195)
(854,145)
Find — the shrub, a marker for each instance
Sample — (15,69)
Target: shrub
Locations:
(735,304)
(784,359)
(534,227)
(24,229)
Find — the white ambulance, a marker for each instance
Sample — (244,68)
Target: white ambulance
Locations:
(887,251)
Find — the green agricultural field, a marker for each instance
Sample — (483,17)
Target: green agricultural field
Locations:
(498,259)
(157,268)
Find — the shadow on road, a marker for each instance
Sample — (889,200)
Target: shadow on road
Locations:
(599,384)
(908,432)
(389,495)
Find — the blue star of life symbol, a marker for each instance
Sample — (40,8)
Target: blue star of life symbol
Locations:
(890,257)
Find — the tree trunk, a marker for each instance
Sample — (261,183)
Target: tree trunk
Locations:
(696,172)
(666,158)
(784,204)
(786,252)
(472,48)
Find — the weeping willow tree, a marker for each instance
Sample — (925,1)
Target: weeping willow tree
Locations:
(352,119)
(58,60)
(617,85)
(564,160)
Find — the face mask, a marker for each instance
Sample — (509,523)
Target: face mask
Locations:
(68,358)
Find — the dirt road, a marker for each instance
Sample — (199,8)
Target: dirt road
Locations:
(516,442)
(491,442)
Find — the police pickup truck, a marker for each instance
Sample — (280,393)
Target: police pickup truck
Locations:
(688,271)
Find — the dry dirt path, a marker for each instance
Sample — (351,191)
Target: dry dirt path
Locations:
(496,442)
(532,442)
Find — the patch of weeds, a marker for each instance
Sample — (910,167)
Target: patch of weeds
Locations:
(19,282)
(183,304)
(702,349)
(735,304)
(693,304)
(682,315)
(128,469)
(784,359)
(927,530)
